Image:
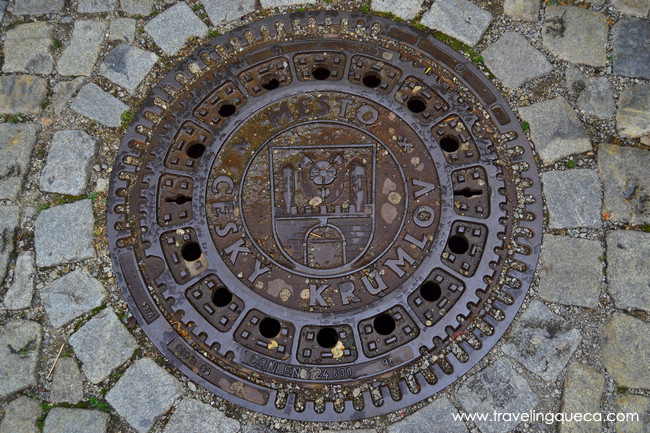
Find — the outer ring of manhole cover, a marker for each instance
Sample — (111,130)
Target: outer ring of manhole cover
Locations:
(324,216)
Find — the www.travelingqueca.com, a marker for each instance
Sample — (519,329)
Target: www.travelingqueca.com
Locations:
(548,417)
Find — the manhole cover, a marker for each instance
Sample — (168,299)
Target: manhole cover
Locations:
(324,217)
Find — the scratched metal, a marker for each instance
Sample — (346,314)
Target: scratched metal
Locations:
(324,216)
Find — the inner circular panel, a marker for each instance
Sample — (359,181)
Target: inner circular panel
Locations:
(332,219)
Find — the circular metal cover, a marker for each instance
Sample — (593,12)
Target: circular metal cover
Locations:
(324,216)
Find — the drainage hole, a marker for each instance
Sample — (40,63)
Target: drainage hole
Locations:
(467,192)
(458,244)
(430,291)
(416,104)
(321,73)
(221,297)
(269,327)
(327,337)
(195,150)
(227,110)
(371,79)
(449,143)
(270,84)
(384,324)
(191,251)
(181,199)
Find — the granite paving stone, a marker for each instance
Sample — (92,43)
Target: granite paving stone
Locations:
(363,430)
(127,66)
(65,420)
(137,7)
(514,61)
(64,234)
(575,34)
(628,268)
(597,98)
(405,9)
(68,162)
(625,343)
(625,172)
(498,388)
(220,11)
(21,416)
(80,55)
(571,271)
(192,416)
(63,93)
(154,389)
(281,3)
(94,103)
(573,198)
(20,293)
(28,49)
(96,6)
(633,114)
(437,417)
(71,296)
(639,8)
(3,8)
(122,29)
(583,389)
(459,19)
(22,94)
(102,345)
(631,47)
(16,145)
(38,7)
(20,346)
(67,382)
(542,341)
(171,28)
(9,220)
(521,10)
(633,404)
(555,129)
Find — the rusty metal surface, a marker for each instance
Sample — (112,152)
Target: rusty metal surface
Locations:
(324,216)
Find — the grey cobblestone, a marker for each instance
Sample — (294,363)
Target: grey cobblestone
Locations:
(64,420)
(194,416)
(628,270)
(459,19)
(16,145)
(639,8)
(633,404)
(625,343)
(67,383)
(102,345)
(631,47)
(20,346)
(122,29)
(9,219)
(71,296)
(171,28)
(22,94)
(514,61)
(68,162)
(571,271)
(282,3)
(96,6)
(555,129)
(153,388)
(28,49)
(625,172)
(80,55)
(63,92)
(583,390)
(64,234)
(573,198)
(438,417)
(522,10)
(542,341)
(127,66)
(3,8)
(405,9)
(575,34)
(94,103)
(633,115)
(20,416)
(38,7)
(220,11)
(137,7)
(20,293)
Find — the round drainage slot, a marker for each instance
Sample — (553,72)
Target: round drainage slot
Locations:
(337,205)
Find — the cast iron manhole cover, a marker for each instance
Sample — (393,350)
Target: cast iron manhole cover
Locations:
(324,216)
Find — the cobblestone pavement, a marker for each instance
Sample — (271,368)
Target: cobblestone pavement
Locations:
(576,72)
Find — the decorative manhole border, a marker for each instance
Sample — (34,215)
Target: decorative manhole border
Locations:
(320,126)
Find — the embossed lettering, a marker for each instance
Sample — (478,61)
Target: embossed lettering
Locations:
(402,259)
(426,187)
(316,294)
(367,114)
(281,116)
(344,106)
(231,227)
(259,270)
(423,216)
(370,287)
(418,243)
(346,289)
(236,248)
(222,207)
(223,179)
